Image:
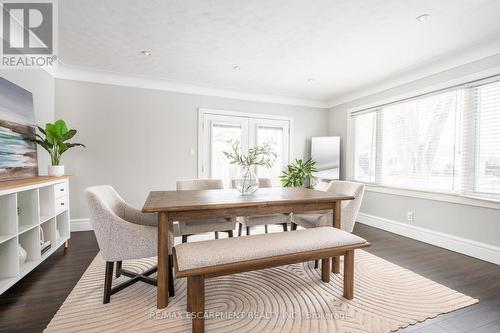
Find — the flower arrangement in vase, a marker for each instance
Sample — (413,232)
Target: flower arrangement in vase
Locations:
(263,155)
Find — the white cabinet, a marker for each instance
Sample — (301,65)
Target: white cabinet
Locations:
(30,208)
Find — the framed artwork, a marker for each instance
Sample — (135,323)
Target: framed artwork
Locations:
(17,154)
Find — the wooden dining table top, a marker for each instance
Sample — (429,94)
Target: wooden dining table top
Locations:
(175,201)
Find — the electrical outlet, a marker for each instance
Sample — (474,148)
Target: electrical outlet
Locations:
(410,216)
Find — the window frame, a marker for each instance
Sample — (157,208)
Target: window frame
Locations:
(466,196)
(253,118)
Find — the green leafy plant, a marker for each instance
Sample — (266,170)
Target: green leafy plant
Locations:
(56,139)
(299,174)
(260,155)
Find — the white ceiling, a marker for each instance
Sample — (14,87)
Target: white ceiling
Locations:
(345,45)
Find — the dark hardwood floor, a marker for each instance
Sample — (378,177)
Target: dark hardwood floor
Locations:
(470,276)
(30,304)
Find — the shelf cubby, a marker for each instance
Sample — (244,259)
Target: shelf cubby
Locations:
(9,259)
(8,217)
(47,203)
(30,241)
(49,232)
(62,224)
(28,209)
(9,263)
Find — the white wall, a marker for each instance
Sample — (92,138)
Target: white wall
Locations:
(142,139)
(474,226)
(41,85)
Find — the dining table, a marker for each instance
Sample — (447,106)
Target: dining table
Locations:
(199,205)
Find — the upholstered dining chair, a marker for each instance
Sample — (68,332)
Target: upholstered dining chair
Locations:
(188,228)
(349,209)
(248,222)
(124,232)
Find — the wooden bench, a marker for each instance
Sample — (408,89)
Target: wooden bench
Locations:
(200,260)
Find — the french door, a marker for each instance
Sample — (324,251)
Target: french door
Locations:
(218,129)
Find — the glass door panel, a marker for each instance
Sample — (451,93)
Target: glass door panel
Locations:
(218,131)
(221,131)
(222,136)
(275,133)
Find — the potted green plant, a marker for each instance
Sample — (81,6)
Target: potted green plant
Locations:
(299,174)
(264,155)
(55,142)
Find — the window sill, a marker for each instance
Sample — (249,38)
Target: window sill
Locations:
(444,197)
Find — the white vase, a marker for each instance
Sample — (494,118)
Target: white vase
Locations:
(22,254)
(56,170)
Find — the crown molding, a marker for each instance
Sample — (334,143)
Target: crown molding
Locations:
(423,71)
(87,75)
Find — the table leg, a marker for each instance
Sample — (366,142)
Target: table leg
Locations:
(336,224)
(162,275)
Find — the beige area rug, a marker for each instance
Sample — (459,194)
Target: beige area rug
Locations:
(285,299)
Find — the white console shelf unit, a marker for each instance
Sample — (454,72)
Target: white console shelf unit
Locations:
(26,206)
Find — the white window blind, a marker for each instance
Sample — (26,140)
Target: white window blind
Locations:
(486,102)
(448,141)
(364,133)
(418,145)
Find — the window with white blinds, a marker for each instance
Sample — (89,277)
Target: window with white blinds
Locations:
(447,141)
(486,102)
(364,133)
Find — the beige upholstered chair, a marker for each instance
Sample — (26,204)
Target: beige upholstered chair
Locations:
(251,221)
(349,209)
(123,232)
(349,213)
(187,228)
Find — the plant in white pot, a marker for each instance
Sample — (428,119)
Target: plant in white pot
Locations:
(56,143)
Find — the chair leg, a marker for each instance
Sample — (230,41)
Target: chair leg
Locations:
(171,290)
(265,228)
(349,274)
(285,227)
(216,235)
(134,278)
(316,264)
(248,231)
(325,270)
(197,302)
(108,279)
(118,268)
(184,238)
(293,226)
(230,233)
(240,229)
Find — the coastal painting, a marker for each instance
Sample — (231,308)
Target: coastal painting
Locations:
(17,118)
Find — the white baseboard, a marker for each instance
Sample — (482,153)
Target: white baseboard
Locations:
(80,225)
(462,245)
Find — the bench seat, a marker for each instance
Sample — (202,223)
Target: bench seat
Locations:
(232,250)
(200,260)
